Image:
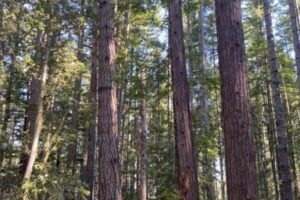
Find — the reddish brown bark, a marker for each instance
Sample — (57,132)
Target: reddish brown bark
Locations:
(109,167)
(187,173)
(239,147)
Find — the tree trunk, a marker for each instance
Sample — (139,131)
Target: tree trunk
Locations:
(109,167)
(2,53)
(7,111)
(84,156)
(239,147)
(93,123)
(2,44)
(127,135)
(35,107)
(271,134)
(190,58)
(286,191)
(208,161)
(123,89)
(203,89)
(295,33)
(221,150)
(72,147)
(11,82)
(297,12)
(290,140)
(187,170)
(261,155)
(143,140)
(49,141)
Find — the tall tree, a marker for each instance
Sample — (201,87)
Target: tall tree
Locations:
(143,139)
(109,167)
(204,124)
(2,135)
(290,137)
(295,33)
(187,173)
(72,148)
(13,69)
(270,125)
(35,107)
(283,164)
(90,168)
(239,147)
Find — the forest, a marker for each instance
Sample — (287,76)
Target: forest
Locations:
(149,100)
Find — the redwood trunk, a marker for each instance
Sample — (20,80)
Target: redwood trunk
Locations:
(187,173)
(109,167)
(285,186)
(239,147)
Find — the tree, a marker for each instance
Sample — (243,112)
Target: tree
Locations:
(92,130)
(207,160)
(109,168)
(2,136)
(35,109)
(143,139)
(187,174)
(295,32)
(283,156)
(239,146)
(72,148)
(109,77)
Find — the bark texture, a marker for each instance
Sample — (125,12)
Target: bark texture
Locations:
(109,167)
(187,173)
(283,164)
(239,147)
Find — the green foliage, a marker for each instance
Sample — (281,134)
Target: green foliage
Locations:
(53,185)
(169,195)
(142,45)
